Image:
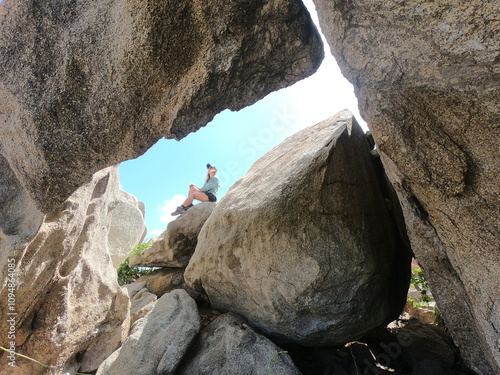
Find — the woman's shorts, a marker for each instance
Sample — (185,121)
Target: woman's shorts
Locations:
(211,197)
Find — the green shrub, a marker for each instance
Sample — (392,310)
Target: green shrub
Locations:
(140,249)
(127,274)
(420,283)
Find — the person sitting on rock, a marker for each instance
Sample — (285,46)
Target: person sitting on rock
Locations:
(207,193)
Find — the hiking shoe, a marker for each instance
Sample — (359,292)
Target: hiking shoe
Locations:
(178,211)
(188,207)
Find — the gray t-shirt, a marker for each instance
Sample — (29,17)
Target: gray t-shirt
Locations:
(211,186)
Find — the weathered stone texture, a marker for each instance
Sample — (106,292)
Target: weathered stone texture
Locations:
(88,84)
(19,216)
(67,298)
(427,77)
(304,246)
(426,342)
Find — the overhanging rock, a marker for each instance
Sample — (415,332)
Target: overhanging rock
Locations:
(87,84)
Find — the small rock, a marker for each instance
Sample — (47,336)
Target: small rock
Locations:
(426,342)
(133,288)
(228,346)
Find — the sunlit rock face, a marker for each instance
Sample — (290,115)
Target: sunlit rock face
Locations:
(126,226)
(87,84)
(427,77)
(68,309)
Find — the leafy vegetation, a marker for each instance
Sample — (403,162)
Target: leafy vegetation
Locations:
(127,274)
(140,249)
(419,282)
(425,298)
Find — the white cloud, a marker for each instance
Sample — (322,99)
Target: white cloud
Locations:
(154,233)
(167,207)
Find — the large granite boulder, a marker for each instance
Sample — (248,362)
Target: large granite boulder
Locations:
(228,346)
(175,246)
(427,78)
(304,245)
(70,311)
(86,84)
(159,340)
(126,226)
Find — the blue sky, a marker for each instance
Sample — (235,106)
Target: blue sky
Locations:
(233,141)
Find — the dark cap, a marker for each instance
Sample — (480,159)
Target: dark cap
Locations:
(208,166)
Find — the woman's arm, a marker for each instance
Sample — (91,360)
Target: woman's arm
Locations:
(210,184)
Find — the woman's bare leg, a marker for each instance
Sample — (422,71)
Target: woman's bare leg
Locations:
(199,195)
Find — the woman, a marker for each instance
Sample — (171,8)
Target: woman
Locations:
(207,193)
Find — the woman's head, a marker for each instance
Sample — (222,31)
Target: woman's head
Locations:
(212,170)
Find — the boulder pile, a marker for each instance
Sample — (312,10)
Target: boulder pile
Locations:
(101,81)
(312,247)
(271,294)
